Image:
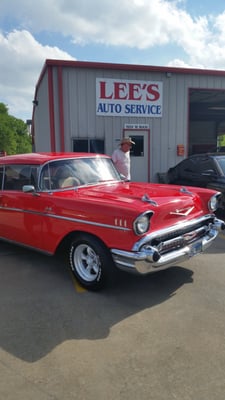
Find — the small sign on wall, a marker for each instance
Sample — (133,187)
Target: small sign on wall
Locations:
(136,126)
(180,150)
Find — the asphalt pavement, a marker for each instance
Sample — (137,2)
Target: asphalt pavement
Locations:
(158,337)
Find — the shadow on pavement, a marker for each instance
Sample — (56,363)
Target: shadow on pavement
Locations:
(40,308)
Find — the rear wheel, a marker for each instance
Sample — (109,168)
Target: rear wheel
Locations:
(91,262)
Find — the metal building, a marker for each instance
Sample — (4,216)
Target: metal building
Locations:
(168,112)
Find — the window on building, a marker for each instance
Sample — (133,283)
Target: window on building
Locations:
(80,145)
(97,146)
(137,150)
(89,145)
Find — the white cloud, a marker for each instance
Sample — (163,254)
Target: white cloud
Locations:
(135,24)
(140,24)
(21,61)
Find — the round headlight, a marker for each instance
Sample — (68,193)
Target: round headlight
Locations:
(141,224)
(214,202)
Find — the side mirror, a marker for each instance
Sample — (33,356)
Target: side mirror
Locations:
(28,189)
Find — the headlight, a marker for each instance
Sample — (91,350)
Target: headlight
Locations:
(214,202)
(141,224)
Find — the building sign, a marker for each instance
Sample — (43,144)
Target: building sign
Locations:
(136,126)
(119,97)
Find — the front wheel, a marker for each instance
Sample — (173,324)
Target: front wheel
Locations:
(91,262)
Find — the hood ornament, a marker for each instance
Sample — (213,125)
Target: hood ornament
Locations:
(185,190)
(183,211)
(147,199)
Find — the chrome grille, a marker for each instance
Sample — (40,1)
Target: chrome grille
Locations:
(180,237)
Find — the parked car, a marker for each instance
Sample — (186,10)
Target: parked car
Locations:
(201,170)
(79,204)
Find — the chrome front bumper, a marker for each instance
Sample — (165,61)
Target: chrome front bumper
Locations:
(149,259)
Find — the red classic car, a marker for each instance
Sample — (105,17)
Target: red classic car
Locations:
(78,203)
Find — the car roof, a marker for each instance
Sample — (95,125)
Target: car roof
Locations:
(208,155)
(43,157)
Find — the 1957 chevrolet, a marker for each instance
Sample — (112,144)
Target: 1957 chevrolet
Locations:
(79,204)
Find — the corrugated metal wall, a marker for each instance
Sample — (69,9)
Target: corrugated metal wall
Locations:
(41,114)
(81,121)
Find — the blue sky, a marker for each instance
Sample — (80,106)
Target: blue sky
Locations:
(181,33)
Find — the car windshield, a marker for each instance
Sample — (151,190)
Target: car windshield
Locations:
(221,162)
(77,172)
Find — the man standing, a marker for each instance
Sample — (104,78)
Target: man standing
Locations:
(121,157)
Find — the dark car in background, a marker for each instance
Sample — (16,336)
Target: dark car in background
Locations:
(201,170)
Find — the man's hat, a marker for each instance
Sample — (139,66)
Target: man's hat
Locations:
(126,140)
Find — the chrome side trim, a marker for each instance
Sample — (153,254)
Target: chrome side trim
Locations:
(108,226)
(89,222)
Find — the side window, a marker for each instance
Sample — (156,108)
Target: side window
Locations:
(11,177)
(48,175)
(45,180)
(16,176)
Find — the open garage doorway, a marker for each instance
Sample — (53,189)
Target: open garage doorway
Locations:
(206,119)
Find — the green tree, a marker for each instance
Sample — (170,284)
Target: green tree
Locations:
(14,135)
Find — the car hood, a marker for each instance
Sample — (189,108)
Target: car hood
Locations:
(133,193)
(167,202)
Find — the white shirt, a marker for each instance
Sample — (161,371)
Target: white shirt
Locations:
(122,162)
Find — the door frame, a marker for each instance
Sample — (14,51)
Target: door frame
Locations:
(141,130)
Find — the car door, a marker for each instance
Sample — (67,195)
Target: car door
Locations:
(192,171)
(20,218)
